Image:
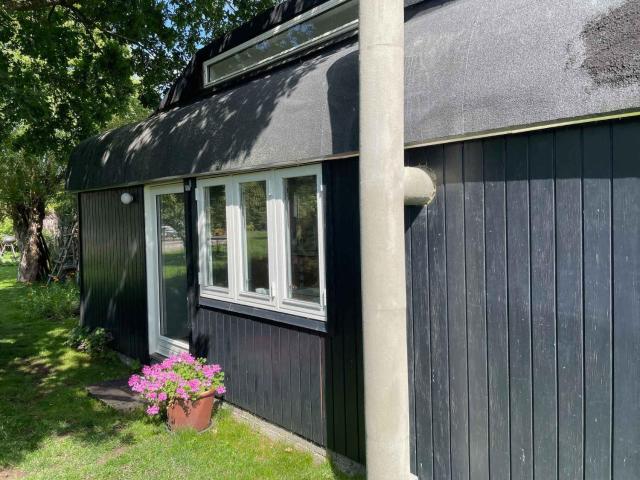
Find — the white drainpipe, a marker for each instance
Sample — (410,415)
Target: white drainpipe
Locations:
(382,193)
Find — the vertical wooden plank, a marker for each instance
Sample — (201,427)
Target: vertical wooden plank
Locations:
(569,302)
(409,215)
(265,358)
(285,365)
(328,179)
(350,388)
(438,314)
(243,387)
(626,300)
(456,308)
(494,152)
(543,304)
(422,346)
(276,355)
(296,388)
(476,311)
(519,304)
(305,386)
(254,394)
(339,420)
(316,382)
(597,300)
(230,354)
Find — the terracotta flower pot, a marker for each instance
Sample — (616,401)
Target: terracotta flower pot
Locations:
(191,414)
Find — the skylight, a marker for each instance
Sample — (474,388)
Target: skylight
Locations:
(321,24)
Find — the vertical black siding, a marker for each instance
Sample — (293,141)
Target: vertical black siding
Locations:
(271,370)
(113,275)
(345,382)
(525,307)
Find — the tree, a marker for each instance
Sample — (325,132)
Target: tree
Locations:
(69,68)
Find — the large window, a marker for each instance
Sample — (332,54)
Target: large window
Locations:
(317,26)
(262,240)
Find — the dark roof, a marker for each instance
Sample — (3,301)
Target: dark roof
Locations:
(471,67)
(188,86)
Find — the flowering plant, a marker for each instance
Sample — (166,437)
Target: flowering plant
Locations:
(178,377)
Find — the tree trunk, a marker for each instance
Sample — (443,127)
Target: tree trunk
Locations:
(34,259)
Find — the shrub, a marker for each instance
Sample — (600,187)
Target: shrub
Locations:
(94,342)
(180,377)
(57,301)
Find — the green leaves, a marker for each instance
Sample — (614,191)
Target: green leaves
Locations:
(67,68)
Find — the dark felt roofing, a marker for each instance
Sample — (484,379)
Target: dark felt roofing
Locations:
(471,66)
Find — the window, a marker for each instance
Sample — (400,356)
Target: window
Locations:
(262,240)
(217,248)
(301,230)
(318,25)
(255,241)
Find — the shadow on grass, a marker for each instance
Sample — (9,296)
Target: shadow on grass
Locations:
(42,382)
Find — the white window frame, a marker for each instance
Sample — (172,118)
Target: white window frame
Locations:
(242,296)
(277,237)
(283,252)
(314,12)
(202,199)
(157,342)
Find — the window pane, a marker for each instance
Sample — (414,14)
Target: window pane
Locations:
(174,319)
(302,230)
(256,246)
(218,256)
(298,36)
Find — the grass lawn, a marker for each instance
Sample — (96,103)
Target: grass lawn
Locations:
(51,429)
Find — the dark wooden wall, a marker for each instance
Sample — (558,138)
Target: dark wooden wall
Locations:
(272,371)
(307,382)
(112,270)
(525,307)
(345,377)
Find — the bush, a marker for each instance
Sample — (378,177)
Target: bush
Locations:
(94,342)
(57,301)
(6,227)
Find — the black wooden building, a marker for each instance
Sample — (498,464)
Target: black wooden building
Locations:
(227,224)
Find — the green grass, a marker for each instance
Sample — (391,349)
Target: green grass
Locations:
(50,428)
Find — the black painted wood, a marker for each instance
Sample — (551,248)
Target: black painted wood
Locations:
(543,304)
(626,301)
(570,315)
(598,311)
(519,307)
(524,288)
(246,347)
(456,311)
(436,241)
(476,311)
(494,159)
(344,372)
(113,279)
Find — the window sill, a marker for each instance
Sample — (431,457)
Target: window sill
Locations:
(264,314)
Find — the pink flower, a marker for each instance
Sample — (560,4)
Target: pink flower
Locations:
(162,396)
(153,410)
(221,390)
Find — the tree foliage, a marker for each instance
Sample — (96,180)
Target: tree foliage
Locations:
(71,68)
(67,66)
